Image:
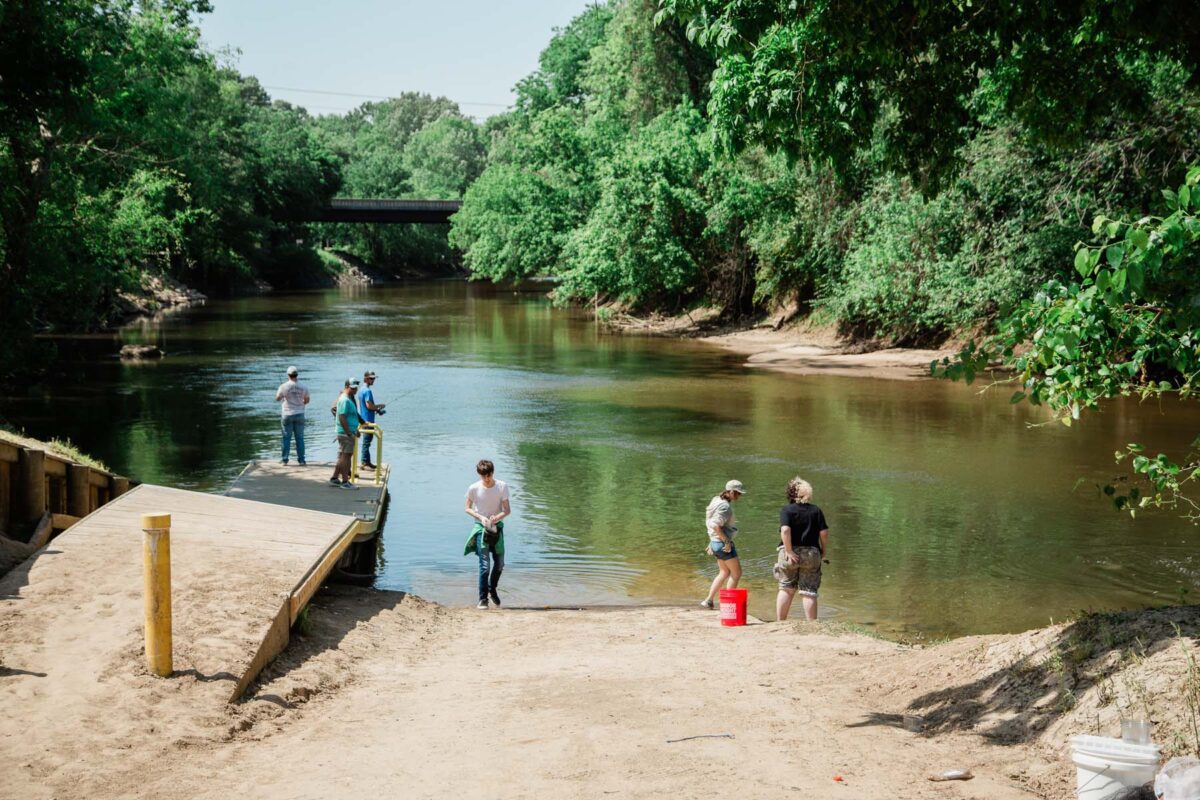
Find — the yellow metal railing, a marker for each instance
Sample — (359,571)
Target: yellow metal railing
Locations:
(376,431)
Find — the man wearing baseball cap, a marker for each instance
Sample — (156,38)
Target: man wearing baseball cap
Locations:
(367,408)
(346,416)
(294,396)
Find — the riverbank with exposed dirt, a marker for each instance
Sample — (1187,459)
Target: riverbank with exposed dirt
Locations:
(787,343)
(389,695)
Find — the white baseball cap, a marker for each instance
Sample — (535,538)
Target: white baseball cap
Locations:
(293,371)
(735,486)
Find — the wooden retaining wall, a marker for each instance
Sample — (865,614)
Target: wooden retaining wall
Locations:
(44,492)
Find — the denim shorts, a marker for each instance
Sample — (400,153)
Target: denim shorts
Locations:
(723,551)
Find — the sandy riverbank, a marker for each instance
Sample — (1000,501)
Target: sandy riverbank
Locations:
(393,696)
(799,346)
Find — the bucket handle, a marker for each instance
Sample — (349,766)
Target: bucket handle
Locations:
(1099,774)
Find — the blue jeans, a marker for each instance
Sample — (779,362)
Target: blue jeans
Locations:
(293,426)
(366,450)
(486,554)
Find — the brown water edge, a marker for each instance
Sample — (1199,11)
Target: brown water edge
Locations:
(950,514)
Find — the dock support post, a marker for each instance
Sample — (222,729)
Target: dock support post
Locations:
(32,483)
(79,490)
(117,486)
(156,579)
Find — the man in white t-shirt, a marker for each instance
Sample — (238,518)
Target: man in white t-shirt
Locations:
(294,396)
(487,504)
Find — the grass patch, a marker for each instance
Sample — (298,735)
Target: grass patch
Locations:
(59,447)
(304,623)
(332,264)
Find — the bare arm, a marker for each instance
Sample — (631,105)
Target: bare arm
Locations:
(345,426)
(306,397)
(825,543)
(785,533)
(279,393)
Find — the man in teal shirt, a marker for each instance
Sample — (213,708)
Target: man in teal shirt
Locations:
(346,414)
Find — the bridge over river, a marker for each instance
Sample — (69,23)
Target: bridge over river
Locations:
(346,209)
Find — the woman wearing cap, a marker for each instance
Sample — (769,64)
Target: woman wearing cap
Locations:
(722,527)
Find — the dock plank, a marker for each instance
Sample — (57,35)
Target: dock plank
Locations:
(308,487)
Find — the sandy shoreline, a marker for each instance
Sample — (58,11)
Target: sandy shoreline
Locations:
(802,352)
(393,696)
(799,347)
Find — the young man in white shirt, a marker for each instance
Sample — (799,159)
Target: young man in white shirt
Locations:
(294,396)
(488,505)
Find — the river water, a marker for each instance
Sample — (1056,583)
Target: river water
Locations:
(949,514)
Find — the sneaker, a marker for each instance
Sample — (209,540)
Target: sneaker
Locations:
(482,604)
(495,598)
(366,465)
(301,463)
(335,482)
(707,604)
(284,462)
(348,485)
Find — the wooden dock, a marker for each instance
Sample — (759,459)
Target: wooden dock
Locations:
(309,487)
(243,566)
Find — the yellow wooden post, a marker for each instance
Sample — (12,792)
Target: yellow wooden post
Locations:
(156,581)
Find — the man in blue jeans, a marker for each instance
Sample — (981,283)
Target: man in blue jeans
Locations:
(294,396)
(488,505)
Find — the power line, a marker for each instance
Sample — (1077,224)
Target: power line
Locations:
(368,96)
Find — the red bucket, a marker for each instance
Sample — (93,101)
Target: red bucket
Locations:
(733,607)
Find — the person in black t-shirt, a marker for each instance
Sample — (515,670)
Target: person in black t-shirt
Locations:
(804,542)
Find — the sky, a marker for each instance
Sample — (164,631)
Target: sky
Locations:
(471,51)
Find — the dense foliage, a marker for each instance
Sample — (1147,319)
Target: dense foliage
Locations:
(907,171)
(127,150)
(413,145)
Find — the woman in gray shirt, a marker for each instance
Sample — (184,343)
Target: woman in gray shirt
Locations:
(722,527)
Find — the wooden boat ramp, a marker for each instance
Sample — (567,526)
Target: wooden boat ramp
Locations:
(243,565)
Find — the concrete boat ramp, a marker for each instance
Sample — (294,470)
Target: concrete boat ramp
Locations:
(242,568)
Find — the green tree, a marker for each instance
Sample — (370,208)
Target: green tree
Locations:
(444,158)
(816,77)
(644,243)
(1128,324)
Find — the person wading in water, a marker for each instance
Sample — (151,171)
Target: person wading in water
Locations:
(722,527)
(804,542)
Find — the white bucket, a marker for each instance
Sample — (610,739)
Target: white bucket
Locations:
(1104,766)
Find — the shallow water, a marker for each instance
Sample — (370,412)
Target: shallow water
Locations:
(949,514)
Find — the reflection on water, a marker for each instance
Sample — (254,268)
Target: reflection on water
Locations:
(948,514)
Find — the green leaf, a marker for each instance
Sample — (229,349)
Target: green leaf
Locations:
(1114,254)
(1136,275)
(1016,397)
(1193,176)
(1139,237)
(1083,262)
(1185,196)
(1118,281)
